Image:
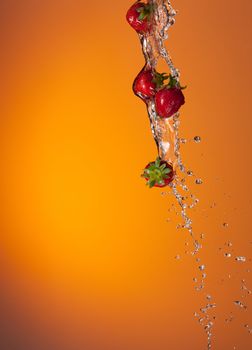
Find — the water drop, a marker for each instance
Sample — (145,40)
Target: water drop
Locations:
(240,258)
(199,182)
(202,267)
(240,304)
(227,255)
(183,141)
(225,224)
(197,139)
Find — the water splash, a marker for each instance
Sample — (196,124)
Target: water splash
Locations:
(240,304)
(168,141)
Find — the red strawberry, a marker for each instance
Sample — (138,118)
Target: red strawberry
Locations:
(169,99)
(147,82)
(139,16)
(158,173)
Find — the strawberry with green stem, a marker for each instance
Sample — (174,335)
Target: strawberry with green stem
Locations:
(158,173)
(169,99)
(139,16)
(148,82)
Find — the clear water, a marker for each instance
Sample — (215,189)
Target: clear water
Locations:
(167,138)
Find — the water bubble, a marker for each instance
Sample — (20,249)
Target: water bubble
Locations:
(202,267)
(189,173)
(197,139)
(225,224)
(183,141)
(172,21)
(240,258)
(199,182)
(240,304)
(227,255)
(208,326)
(177,257)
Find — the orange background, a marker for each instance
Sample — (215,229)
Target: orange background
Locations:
(87,254)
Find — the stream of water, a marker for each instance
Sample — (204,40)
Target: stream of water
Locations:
(166,133)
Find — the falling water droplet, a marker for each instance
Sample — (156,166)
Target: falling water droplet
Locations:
(240,304)
(240,258)
(198,182)
(197,139)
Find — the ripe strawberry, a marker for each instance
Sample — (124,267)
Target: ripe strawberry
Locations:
(158,173)
(147,82)
(169,99)
(139,16)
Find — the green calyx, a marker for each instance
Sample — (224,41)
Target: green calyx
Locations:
(159,79)
(156,173)
(173,82)
(145,11)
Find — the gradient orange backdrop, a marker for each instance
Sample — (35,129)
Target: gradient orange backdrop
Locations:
(87,253)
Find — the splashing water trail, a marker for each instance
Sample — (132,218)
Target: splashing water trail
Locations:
(166,135)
